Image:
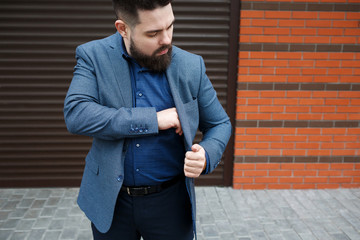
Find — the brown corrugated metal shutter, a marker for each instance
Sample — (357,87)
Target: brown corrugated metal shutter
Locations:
(37,44)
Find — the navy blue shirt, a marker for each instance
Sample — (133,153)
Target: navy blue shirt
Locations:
(154,159)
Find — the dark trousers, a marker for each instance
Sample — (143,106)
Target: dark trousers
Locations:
(160,216)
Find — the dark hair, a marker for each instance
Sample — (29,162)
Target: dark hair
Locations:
(127,10)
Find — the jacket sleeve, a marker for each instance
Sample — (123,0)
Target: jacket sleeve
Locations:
(214,123)
(85,115)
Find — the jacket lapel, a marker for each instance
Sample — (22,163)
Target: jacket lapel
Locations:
(173,79)
(121,69)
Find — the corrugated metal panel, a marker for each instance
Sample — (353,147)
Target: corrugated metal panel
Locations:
(37,43)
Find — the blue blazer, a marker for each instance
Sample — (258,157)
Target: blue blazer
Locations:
(99,104)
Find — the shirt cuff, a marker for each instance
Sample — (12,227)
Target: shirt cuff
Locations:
(206,170)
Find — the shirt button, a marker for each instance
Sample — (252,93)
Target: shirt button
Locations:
(140,94)
(137,145)
(137,169)
(120,178)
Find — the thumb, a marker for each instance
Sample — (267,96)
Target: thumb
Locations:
(196,148)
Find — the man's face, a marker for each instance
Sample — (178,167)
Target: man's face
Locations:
(150,40)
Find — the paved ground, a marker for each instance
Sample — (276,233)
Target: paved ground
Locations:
(223,214)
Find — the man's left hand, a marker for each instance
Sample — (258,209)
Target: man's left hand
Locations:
(195,161)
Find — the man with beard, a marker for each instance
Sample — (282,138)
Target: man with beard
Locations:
(142,100)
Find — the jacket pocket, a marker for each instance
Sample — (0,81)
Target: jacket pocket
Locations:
(92,166)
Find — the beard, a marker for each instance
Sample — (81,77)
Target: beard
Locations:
(152,62)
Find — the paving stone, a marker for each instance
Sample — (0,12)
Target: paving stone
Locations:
(210,231)
(19,235)
(52,235)
(36,234)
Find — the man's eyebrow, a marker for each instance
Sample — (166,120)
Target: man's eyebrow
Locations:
(159,30)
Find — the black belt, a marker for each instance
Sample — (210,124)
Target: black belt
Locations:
(145,190)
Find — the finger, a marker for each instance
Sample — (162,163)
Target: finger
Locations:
(196,148)
(193,163)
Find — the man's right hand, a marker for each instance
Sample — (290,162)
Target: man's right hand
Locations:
(169,118)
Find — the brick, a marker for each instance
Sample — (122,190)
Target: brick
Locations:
(291,180)
(269,152)
(354,116)
(295,138)
(325,94)
(304,15)
(342,166)
(315,180)
(327,79)
(269,94)
(290,39)
(328,63)
(276,31)
(249,63)
(342,56)
(251,30)
(243,180)
(248,78)
(353,15)
(318,152)
(286,101)
(303,186)
(332,145)
(331,15)
(301,63)
(280,173)
(345,24)
(304,31)
(314,71)
(257,145)
(254,186)
(285,131)
(245,152)
(315,55)
(267,166)
(319,23)
(278,14)
(348,109)
(263,39)
(307,145)
(352,32)
(274,63)
(271,139)
(262,55)
(245,138)
(327,186)
(247,109)
(320,138)
(350,185)
(335,117)
(295,152)
(279,186)
(271,109)
(317,39)
(245,23)
(288,71)
(346,40)
(308,131)
(255,173)
(343,152)
(349,94)
(274,78)
(349,79)
(248,93)
(323,109)
(292,109)
(281,145)
(346,63)
(291,23)
(261,131)
(258,101)
(330,32)
(251,14)
(311,116)
(293,166)
(244,166)
(329,173)
(317,166)
(262,70)
(340,179)
(258,116)
(266,180)
(351,173)
(264,22)
(345,138)
(340,71)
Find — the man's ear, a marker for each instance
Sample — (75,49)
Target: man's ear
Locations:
(121,27)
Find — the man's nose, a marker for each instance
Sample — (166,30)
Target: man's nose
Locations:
(165,38)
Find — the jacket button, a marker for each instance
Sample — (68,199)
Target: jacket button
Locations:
(120,178)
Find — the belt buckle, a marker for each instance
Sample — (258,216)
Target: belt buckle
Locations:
(137,191)
(128,191)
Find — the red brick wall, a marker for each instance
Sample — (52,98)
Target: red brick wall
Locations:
(298,99)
